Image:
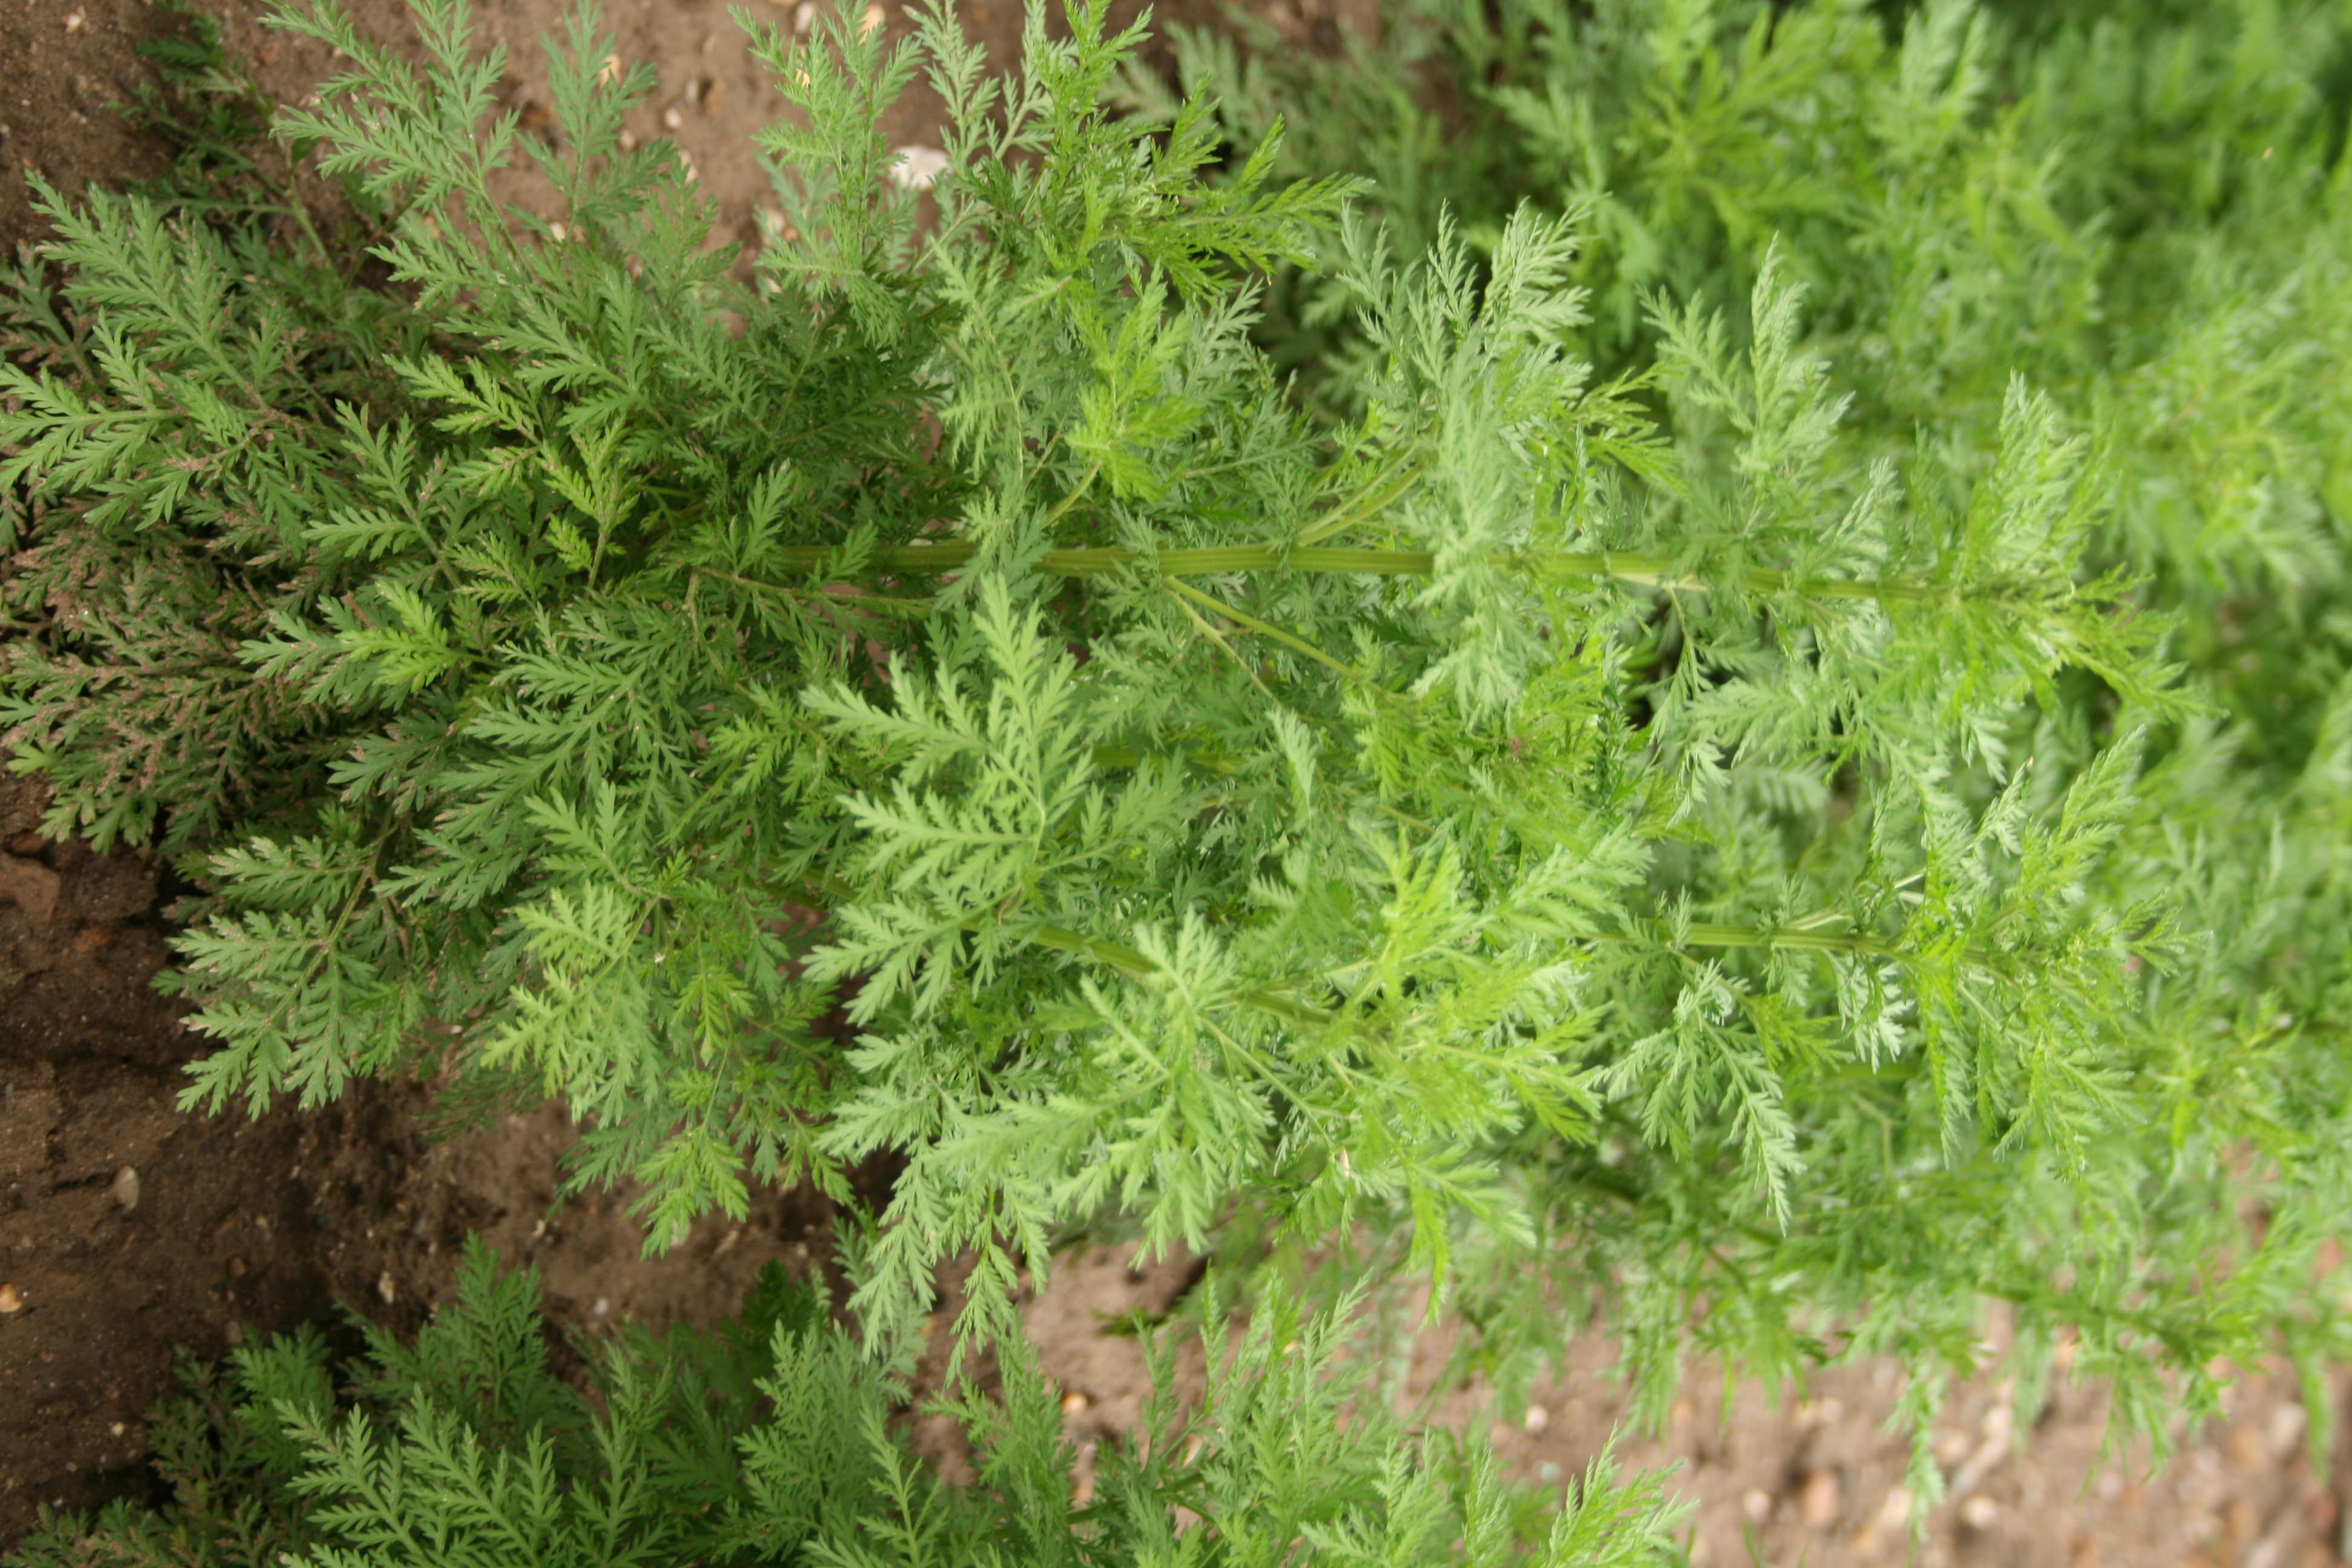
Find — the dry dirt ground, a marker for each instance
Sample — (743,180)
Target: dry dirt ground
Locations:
(129,1229)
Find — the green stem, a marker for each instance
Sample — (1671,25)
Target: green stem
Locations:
(1251,623)
(1648,571)
(1784,939)
(1395,482)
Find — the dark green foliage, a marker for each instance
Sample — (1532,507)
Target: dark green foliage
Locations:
(1680,772)
(773,1441)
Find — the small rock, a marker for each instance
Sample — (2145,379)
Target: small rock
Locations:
(1894,1513)
(1536,1419)
(1980,1513)
(384,1288)
(1756,1505)
(2286,1428)
(11,1298)
(873,18)
(602,1306)
(805,16)
(237,1267)
(30,886)
(74,21)
(1821,1499)
(124,1190)
(1550,1474)
(1073,1402)
(915,168)
(672,118)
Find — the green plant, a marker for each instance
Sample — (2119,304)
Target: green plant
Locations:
(1658,824)
(772,1440)
(2141,210)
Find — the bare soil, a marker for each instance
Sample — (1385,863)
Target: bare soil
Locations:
(233,1226)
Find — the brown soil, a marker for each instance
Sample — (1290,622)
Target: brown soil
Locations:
(128,1229)
(239,1225)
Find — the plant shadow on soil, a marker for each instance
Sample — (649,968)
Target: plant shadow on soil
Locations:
(243,1224)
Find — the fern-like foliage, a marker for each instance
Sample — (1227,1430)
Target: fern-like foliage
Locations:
(1610,795)
(2043,338)
(774,1439)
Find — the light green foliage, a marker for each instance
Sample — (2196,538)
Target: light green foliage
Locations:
(1657,778)
(2066,371)
(772,1440)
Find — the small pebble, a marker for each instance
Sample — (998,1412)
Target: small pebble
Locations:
(1537,1419)
(672,118)
(602,1307)
(114,1429)
(1549,1473)
(805,16)
(2286,1428)
(74,20)
(873,18)
(916,168)
(11,1298)
(384,1288)
(125,1190)
(1981,1512)
(1821,1499)
(1073,1402)
(1756,1505)
(237,1267)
